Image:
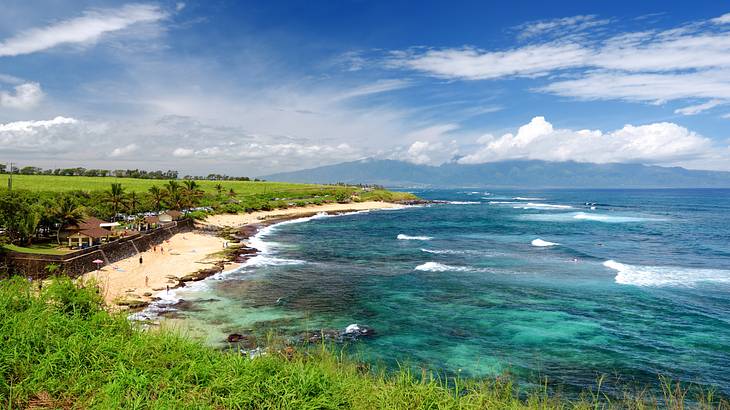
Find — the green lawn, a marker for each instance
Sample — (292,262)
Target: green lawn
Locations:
(54,183)
(42,249)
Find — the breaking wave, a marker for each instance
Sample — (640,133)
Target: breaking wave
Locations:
(541,243)
(639,275)
(403,237)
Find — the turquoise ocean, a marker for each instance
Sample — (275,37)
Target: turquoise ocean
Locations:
(566,285)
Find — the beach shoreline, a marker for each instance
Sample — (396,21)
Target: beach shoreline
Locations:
(132,283)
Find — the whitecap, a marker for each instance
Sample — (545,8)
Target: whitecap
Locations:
(403,237)
(541,206)
(440,267)
(528,198)
(587,217)
(640,275)
(541,243)
(462,202)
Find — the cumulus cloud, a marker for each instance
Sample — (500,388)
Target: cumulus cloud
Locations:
(48,135)
(124,151)
(658,143)
(88,28)
(25,96)
(183,152)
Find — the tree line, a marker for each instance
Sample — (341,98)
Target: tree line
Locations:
(117,173)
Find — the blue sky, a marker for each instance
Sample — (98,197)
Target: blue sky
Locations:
(250,88)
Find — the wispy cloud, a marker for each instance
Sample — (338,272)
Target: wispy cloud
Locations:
(561,26)
(87,29)
(688,62)
(696,109)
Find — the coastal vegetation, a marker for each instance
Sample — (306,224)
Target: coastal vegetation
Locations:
(62,349)
(38,207)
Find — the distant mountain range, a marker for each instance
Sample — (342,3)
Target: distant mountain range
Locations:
(518,173)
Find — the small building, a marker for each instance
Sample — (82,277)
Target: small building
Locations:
(149,222)
(89,237)
(169,216)
(91,231)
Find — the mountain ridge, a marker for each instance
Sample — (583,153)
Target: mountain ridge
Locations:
(508,174)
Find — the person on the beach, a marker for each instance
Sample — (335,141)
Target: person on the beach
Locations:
(154,248)
(146,281)
(140,261)
(168,288)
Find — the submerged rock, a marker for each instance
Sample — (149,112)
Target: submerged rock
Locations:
(351,333)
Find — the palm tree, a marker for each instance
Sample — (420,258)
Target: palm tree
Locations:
(192,191)
(219,189)
(133,202)
(175,197)
(158,196)
(115,197)
(66,212)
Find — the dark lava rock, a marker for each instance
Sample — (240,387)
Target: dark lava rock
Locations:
(244,341)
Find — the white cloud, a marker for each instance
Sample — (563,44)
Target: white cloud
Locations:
(688,62)
(380,86)
(475,64)
(26,96)
(561,26)
(52,135)
(179,6)
(724,19)
(649,87)
(124,151)
(183,152)
(659,143)
(696,109)
(86,29)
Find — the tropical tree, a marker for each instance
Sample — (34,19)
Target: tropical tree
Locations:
(66,212)
(158,196)
(175,197)
(27,225)
(133,202)
(115,197)
(192,192)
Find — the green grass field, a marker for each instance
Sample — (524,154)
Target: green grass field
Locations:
(53,183)
(40,249)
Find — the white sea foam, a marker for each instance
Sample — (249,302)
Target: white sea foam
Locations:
(503,202)
(403,237)
(528,198)
(541,243)
(584,216)
(541,206)
(462,202)
(440,267)
(443,251)
(587,217)
(639,275)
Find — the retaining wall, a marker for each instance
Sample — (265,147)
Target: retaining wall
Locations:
(77,263)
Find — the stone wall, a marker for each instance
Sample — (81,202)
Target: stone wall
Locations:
(77,263)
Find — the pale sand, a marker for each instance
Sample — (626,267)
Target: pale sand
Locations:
(238,220)
(184,253)
(187,253)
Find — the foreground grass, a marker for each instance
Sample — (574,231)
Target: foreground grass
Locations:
(60,349)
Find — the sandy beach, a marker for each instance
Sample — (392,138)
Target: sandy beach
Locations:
(187,253)
(238,220)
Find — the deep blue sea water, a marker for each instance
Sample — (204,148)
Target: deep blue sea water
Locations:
(632,284)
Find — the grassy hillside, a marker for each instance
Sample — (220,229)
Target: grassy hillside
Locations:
(60,349)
